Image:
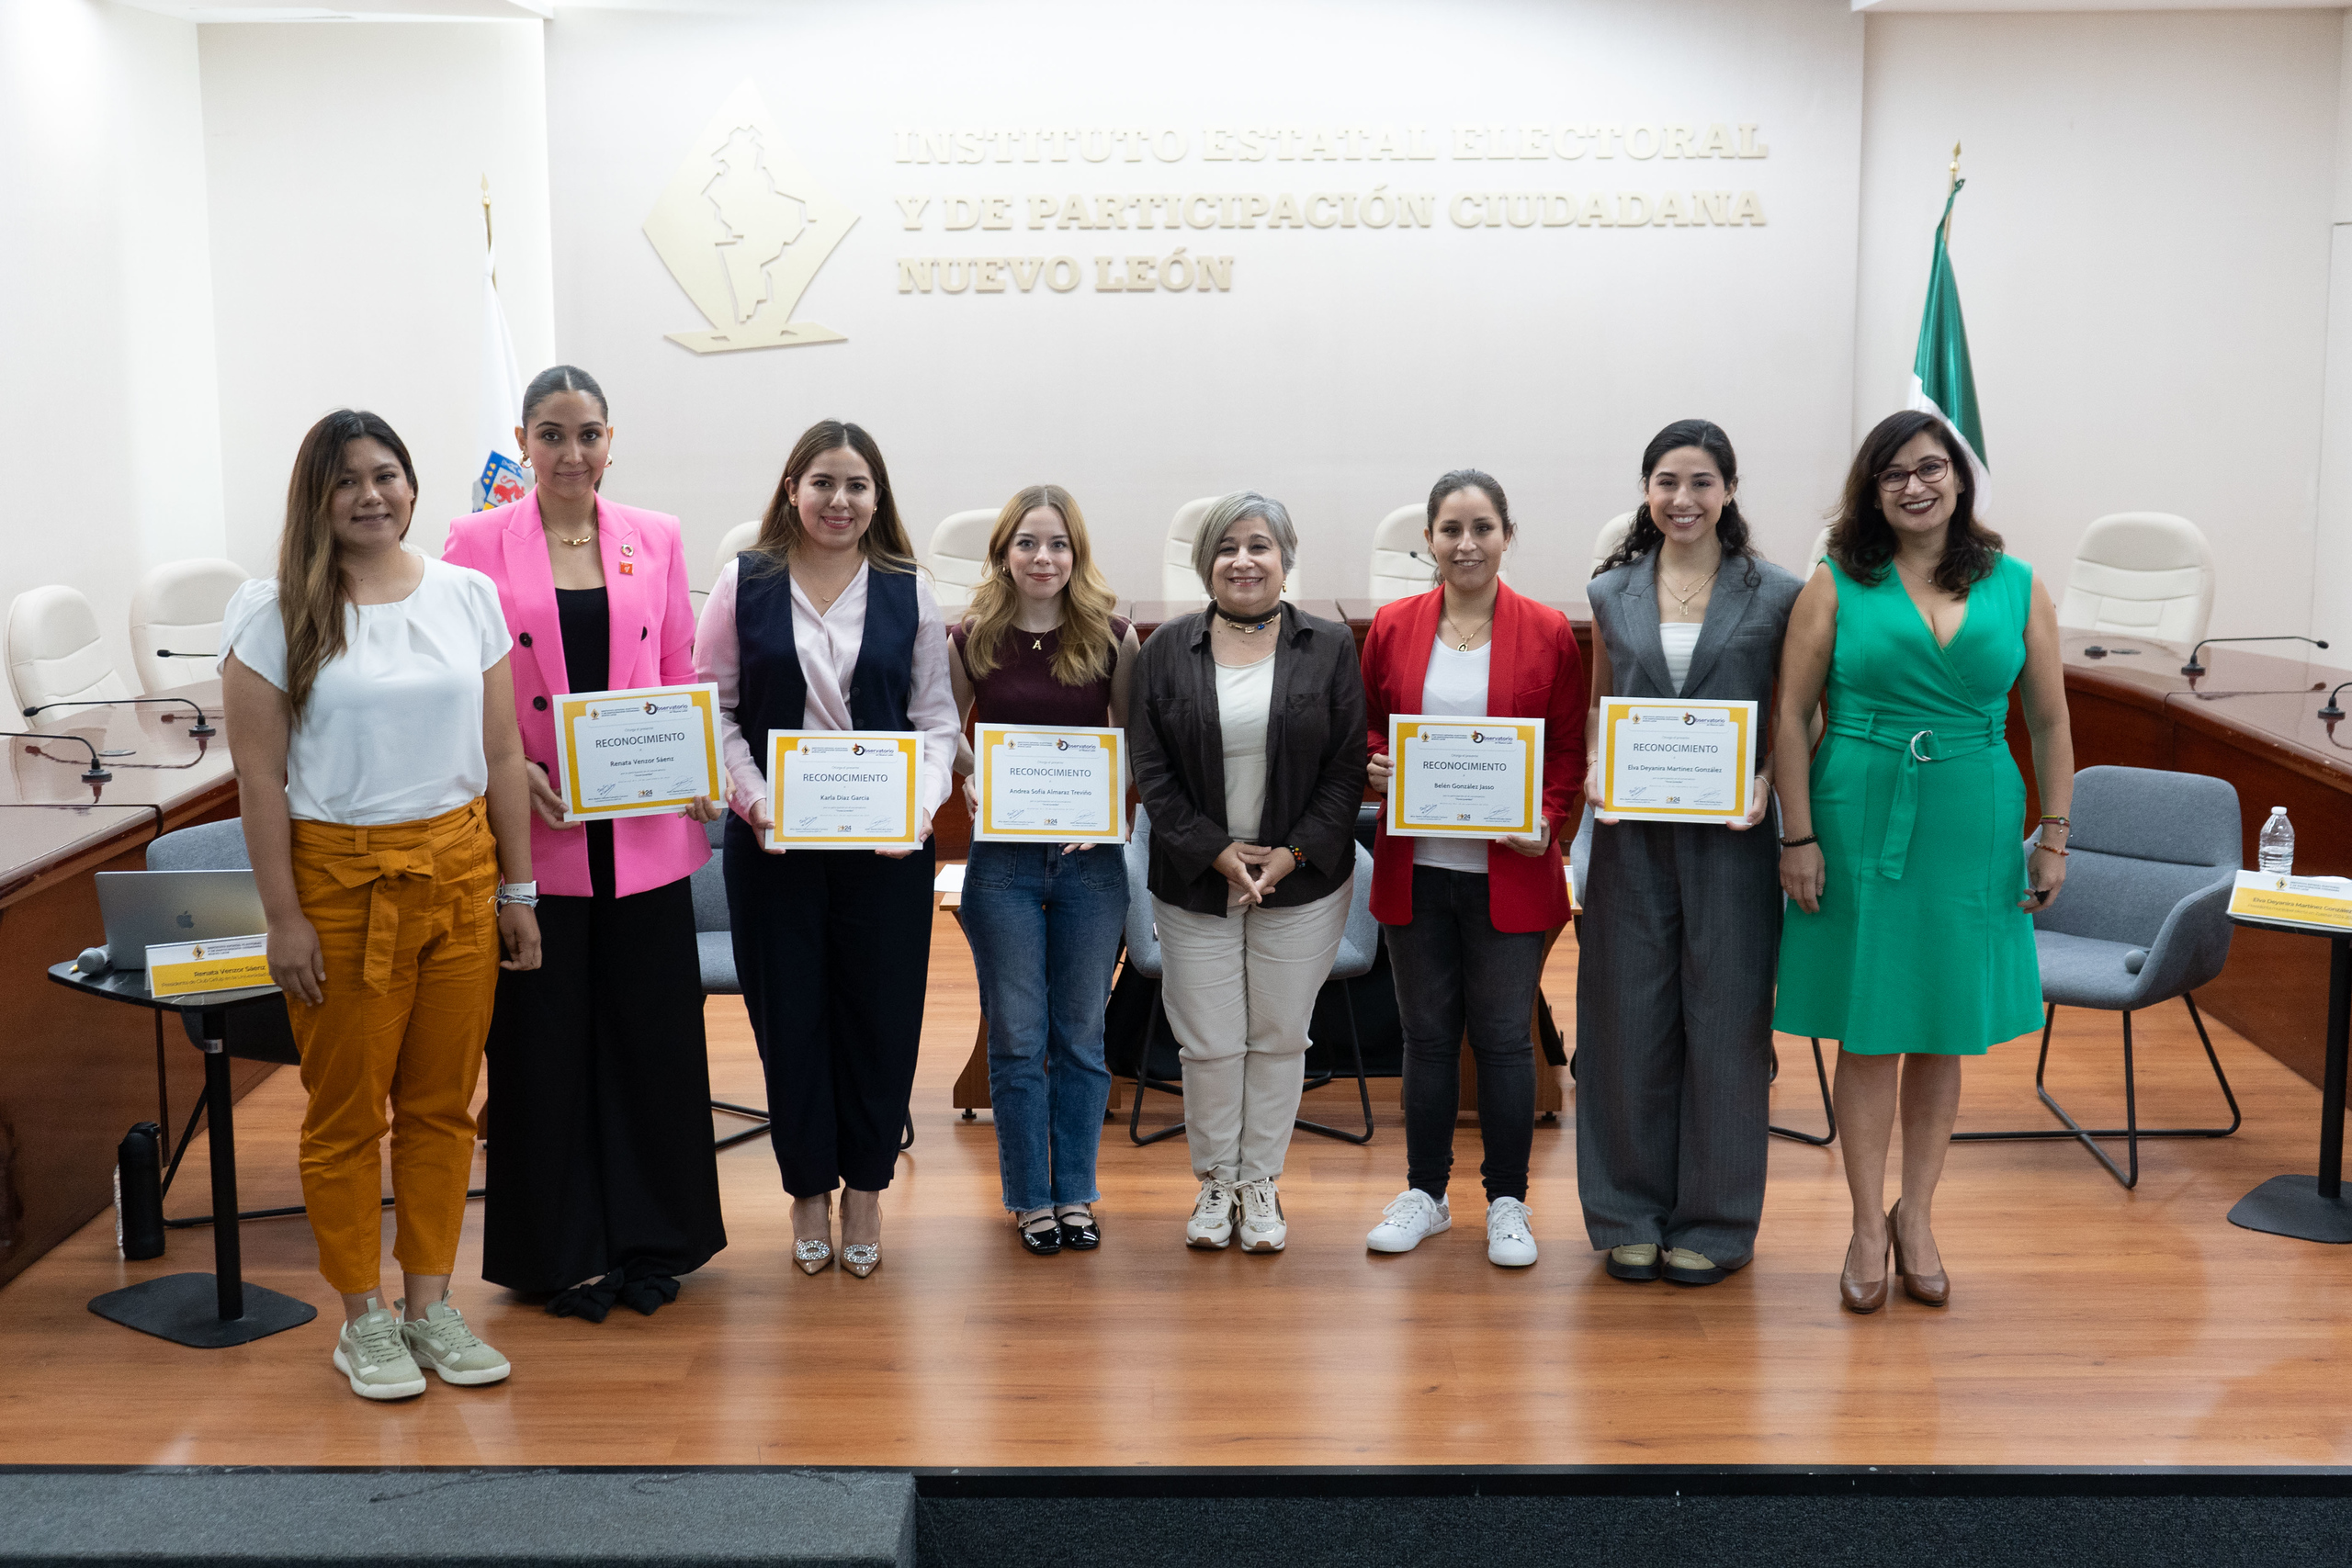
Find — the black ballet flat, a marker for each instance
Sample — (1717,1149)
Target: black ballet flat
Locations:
(1041,1243)
(648,1293)
(590,1301)
(1081,1236)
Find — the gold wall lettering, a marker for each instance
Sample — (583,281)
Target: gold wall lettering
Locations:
(1252,145)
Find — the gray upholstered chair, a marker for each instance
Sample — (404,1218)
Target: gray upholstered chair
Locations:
(1358,950)
(2144,918)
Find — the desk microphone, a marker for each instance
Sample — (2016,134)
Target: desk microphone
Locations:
(167,653)
(97,773)
(2330,712)
(2193,667)
(203,726)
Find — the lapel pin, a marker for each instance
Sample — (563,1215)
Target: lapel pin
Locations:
(627,571)
(628,549)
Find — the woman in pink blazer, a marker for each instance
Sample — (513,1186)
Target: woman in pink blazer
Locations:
(603,1182)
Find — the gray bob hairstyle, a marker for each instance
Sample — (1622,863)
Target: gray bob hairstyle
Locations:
(1235,508)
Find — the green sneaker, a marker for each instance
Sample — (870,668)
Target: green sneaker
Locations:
(441,1340)
(372,1352)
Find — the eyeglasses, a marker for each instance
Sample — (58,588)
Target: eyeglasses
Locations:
(1930,472)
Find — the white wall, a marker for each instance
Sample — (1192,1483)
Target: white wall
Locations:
(2332,559)
(346,162)
(109,416)
(2142,256)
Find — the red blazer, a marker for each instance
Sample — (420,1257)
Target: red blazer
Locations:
(652,645)
(1534,672)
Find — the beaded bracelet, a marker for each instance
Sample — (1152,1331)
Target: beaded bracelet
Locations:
(1800,843)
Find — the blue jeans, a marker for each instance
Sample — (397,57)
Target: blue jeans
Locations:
(1045,929)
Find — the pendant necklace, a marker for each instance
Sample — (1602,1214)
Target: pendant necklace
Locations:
(1464,645)
(1684,599)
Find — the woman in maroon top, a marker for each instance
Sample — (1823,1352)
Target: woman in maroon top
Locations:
(1040,645)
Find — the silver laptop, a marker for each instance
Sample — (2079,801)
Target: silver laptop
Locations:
(147,909)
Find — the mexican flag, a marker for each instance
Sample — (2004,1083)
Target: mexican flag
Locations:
(498,402)
(1941,382)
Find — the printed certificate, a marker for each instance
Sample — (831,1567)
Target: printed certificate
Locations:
(1677,761)
(1465,778)
(224,964)
(1036,781)
(2318,903)
(844,789)
(638,753)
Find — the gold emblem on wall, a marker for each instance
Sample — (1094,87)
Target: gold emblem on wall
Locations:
(744,227)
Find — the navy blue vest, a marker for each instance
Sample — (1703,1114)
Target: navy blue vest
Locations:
(773,694)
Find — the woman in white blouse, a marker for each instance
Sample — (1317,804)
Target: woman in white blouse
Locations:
(824,623)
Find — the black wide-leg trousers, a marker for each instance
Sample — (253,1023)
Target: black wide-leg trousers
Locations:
(833,951)
(600,1135)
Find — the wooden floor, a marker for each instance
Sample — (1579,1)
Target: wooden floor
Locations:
(2088,1325)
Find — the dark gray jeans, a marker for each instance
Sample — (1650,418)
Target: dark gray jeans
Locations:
(1453,969)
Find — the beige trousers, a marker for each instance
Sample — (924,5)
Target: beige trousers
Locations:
(1239,992)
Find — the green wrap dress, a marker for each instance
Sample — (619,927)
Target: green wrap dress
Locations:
(1919,945)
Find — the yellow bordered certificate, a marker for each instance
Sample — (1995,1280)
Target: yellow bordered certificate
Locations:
(1037,782)
(844,789)
(2321,903)
(635,753)
(1677,761)
(223,963)
(1465,778)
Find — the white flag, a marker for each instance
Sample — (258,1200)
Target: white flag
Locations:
(498,402)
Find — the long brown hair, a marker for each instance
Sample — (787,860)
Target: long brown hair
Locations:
(1731,527)
(311,589)
(1861,541)
(885,541)
(1084,651)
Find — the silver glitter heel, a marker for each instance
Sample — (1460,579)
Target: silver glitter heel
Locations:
(862,1258)
(814,1256)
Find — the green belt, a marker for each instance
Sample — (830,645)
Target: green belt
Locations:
(1941,740)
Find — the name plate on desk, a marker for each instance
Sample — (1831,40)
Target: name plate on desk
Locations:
(634,753)
(1676,762)
(2321,903)
(844,789)
(1039,782)
(224,964)
(1465,778)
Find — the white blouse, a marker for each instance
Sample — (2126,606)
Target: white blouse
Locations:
(827,643)
(392,731)
(1679,638)
(1456,687)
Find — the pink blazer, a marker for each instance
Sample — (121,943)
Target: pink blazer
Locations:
(652,645)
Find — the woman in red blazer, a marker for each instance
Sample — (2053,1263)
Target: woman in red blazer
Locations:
(1465,917)
(602,1184)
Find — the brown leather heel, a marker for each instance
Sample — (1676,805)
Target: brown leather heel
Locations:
(1929,1290)
(1854,1295)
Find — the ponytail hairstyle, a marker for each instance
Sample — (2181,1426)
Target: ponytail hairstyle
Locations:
(1861,541)
(885,541)
(563,378)
(311,590)
(1470,479)
(1731,528)
(1083,654)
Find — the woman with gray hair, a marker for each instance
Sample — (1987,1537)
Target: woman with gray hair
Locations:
(1247,724)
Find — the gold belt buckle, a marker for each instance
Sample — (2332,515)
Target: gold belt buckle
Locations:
(1913,746)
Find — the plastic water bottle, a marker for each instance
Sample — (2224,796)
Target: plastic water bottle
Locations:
(2276,847)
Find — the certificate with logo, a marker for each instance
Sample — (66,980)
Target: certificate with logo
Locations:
(1036,781)
(635,753)
(224,964)
(844,789)
(2320,903)
(1465,778)
(1677,761)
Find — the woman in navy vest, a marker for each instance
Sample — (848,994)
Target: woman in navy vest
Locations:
(824,624)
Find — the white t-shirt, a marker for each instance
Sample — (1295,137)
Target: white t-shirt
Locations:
(392,731)
(1679,638)
(1245,697)
(1454,687)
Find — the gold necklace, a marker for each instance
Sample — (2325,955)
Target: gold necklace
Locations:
(587,538)
(1464,645)
(1682,599)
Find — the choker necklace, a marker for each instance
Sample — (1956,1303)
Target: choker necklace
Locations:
(1240,625)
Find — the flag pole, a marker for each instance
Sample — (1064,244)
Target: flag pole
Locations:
(490,240)
(1951,188)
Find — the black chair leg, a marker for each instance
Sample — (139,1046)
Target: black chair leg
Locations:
(2131,1132)
(1144,1080)
(1364,1085)
(1828,1106)
(750,1114)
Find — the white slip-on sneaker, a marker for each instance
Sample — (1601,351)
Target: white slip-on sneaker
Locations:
(1211,1227)
(1262,1226)
(371,1352)
(1412,1216)
(441,1340)
(1509,1244)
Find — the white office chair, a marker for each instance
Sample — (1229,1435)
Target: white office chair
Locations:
(1819,553)
(54,654)
(1400,561)
(738,539)
(176,620)
(1604,545)
(1177,582)
(959,558)
(2143,574)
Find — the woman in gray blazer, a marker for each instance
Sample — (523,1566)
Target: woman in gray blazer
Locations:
(1682,929)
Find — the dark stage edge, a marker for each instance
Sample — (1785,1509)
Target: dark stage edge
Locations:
(1952,1516)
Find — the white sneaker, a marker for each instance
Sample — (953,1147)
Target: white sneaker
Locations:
(1262,1226)
(1211,1227)
(441,1340)
(1509,1244)
(1413,1216)
(371,1352)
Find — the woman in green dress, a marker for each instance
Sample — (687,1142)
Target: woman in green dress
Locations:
(1909,934)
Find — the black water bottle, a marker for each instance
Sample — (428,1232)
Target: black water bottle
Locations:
(139,1193)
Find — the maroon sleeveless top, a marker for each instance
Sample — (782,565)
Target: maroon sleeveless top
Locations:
(1022,688)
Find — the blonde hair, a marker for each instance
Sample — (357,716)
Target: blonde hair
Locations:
(1084,651)
(884,540)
